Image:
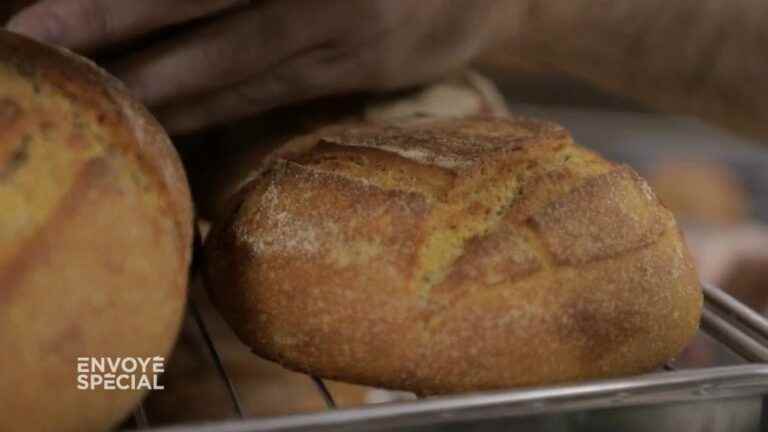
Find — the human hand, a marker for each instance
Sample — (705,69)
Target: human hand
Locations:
(234,58)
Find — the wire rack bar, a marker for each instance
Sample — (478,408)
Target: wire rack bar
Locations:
(221,370)
(658,388)
(324,392)
(669,367)
(198,318)
(140,417)
(735,309)
(733,337)
(723,317)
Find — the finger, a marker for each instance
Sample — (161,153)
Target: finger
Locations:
(222,53)
(309,76)
(87,24)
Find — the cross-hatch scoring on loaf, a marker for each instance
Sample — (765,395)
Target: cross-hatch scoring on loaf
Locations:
(447,245)
(471,181)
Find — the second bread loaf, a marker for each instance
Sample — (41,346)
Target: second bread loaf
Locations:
(447,256)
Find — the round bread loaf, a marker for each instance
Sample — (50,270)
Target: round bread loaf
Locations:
(95,237)
(453,255)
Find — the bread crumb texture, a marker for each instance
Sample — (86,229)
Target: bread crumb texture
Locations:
(448,256)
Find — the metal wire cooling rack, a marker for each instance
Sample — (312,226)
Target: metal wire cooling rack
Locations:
(670,392)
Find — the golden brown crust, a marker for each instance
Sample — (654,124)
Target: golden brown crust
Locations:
(423,257)
(135,131)
(606,216)
(222,164)
(264,388)
(94,255)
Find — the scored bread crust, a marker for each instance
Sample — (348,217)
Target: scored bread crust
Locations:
(447,256)
(95,251)
(219,169)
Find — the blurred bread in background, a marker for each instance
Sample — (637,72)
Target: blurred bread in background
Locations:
(701,191)
(735,258)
